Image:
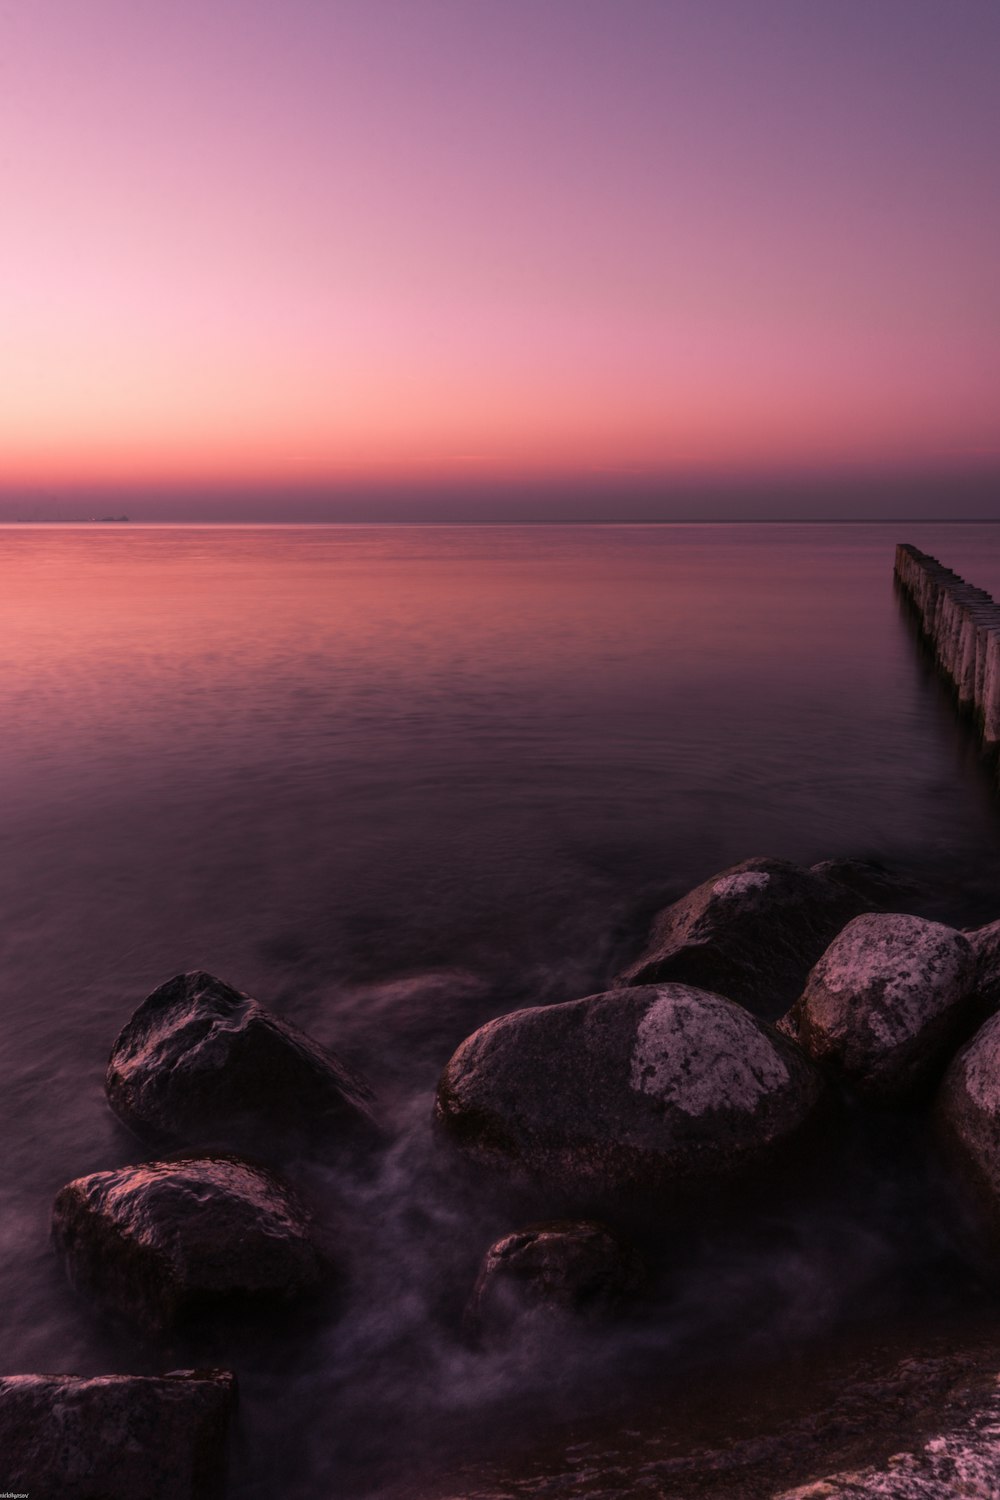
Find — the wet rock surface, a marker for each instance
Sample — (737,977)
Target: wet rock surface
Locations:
(751,933)
(962,1462)
(162,1242)
(574,1267)
(886,1003)
(930,1419)
(201,1064)
(632,1092)
(116,1437)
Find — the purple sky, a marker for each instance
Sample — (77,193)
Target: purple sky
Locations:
(275,258)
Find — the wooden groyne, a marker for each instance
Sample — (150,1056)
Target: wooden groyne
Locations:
(961,625)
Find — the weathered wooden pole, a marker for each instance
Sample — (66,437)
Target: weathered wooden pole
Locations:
(961,625)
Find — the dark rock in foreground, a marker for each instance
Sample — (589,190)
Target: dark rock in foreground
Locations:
(629,1093)
(161,1242)
(116,1437)
(886,1003)
(571,1266)
(202,1064)
(751,933)
(961,1461)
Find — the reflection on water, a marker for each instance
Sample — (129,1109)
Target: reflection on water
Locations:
(393,780)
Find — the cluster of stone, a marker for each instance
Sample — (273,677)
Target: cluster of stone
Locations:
(665,1091)
(962,627)
(202,1233)
(761,996)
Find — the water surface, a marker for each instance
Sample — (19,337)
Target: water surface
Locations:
(393,781)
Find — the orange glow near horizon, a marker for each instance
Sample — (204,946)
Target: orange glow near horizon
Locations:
(320,247)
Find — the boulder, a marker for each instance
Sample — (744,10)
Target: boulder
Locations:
(986,946)
(877,886)
(751,933)
(116,1437)
(886,1003)
(201,1064)
(968,1117)
(164,1241)
(570,1267)
(636,1093)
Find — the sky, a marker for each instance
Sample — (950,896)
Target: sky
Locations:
(498,256)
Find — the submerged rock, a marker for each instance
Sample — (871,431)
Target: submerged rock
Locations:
(573,1267)
(633,1092)
(162,1241)
(202,1064)
(886,1003)
(751,933)
(117,1437)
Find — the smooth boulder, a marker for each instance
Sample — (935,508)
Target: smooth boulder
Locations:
(886,1004)
(201,1064)
(116,1437)
(751,933)
(570,1267)
(165,1241)
(637,1092)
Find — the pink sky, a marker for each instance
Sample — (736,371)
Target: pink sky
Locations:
(398,241)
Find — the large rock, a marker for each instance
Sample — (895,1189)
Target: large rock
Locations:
(201,1064)
(886,1003)
(164,1241)
(875,884)
(968,1114)
(751,933)
(639,1091)
(573,1267)
(116,1437)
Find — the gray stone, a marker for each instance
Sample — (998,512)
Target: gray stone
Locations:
(634,1092)
(116,1437)
(162,1242)
(886,1003)
(201,1064)
(569,1267)
(751,933)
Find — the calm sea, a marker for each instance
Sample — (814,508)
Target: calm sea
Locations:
(395,780)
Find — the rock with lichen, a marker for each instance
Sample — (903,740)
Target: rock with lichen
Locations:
(887,1003)
(635,1092)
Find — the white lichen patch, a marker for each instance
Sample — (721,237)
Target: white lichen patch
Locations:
(699,1052)
(738,885)
(981,1068)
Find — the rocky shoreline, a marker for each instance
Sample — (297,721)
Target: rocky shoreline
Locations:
(770,1004)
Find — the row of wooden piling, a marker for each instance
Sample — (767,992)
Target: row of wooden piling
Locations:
(961,624)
